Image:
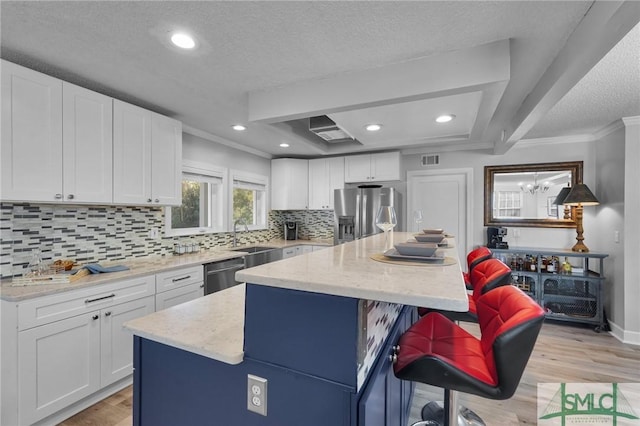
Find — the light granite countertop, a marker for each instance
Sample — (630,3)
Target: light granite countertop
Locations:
(348,270)
(213,326)
(142,266)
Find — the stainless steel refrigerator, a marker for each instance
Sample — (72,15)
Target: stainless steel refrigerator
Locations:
(355,211)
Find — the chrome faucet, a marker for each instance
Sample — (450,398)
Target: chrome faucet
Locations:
(235,230)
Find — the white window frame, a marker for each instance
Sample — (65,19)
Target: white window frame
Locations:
(252,179)
(497,195)
(206,170)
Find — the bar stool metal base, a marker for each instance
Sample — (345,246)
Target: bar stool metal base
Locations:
(433,414)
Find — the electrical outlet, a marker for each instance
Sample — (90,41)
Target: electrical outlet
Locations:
(616,236)
(257,394)
(154,233)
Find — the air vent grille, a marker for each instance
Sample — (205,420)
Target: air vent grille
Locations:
(430,159)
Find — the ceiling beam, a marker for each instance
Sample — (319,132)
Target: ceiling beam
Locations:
(603,26)
(429,77)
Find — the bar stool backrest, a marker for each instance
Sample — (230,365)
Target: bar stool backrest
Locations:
(477,256)
(490,274)
(509,322)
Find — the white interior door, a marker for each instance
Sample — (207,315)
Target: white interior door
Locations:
(443,196)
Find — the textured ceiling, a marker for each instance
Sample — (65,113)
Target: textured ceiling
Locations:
(121,49)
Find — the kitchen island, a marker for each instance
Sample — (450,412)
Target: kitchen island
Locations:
(319,328)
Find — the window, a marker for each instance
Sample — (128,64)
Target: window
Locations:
(202,208)
(507,203)
(250,200)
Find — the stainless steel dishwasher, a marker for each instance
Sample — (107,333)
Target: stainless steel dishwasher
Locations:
(221,275)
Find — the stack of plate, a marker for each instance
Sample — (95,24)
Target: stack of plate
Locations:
(414,251)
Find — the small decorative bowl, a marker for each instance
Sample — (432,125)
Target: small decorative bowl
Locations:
(416,249)
(429,238)
(433,231)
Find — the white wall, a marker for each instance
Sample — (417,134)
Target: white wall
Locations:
(521,154)
(201,150)
(610,188)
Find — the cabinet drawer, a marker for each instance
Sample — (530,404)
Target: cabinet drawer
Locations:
(179,278)
(180,295)
(47,309)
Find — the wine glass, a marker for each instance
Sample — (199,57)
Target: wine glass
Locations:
(386,220)
(417,218)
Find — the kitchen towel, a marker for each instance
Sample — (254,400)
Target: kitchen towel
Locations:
(95,268)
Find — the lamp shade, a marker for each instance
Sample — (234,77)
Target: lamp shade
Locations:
(581,194)
(562,195)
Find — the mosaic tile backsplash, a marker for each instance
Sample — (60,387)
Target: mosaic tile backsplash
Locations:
(99,233)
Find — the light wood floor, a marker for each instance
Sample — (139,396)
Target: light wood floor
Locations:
(563,353)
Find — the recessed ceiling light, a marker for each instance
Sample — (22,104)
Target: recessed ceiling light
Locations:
(284,145)
(445,118)
(373,127)
(182,40)
(238,127)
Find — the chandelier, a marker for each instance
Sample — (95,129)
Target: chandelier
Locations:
(535,186)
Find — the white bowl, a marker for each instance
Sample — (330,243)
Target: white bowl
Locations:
(429,238)
(433,231)
(416,249)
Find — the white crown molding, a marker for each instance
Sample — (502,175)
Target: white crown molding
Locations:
(435,149)
(608,129)
(631,121)
(222,141)
(527,143)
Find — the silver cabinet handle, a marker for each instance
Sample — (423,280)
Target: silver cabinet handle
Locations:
(70,196)
(180,279)
(148,200)
(157,200)
(100,298)
(201,285)
(107,314)
(393,358)
(58,196)
(95,317)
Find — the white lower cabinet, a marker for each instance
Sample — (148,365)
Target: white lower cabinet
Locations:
(71,345)
(116,343)
(178,286)
(301,249)
(180,295)
(58,365)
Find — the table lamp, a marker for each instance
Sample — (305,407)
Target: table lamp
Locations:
(560,201)
(580,196)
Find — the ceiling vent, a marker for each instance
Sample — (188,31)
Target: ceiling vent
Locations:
(327,129)
(430,160)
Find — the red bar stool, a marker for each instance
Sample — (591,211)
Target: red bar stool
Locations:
(486,276)
(437,351)
(474,258)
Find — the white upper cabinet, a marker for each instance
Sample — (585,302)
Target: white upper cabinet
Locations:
(325,176)
(147,157)
(87,145)
(31,146)
(166,160)
(372,167)
(289,184)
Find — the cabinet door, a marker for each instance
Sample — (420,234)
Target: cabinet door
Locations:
(385,166)
(180,295)
(87,145)
(357,168)
(31,145)
(166,160)
(131,154)
(335,171)
(318,184)
(58,365)
(116,343)
(289,184)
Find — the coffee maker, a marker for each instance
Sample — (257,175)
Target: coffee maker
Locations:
(495,236)
(290,230)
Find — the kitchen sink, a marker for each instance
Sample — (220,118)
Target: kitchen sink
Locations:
(254,249)
(259,255)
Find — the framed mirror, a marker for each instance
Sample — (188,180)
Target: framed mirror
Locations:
(525,194)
